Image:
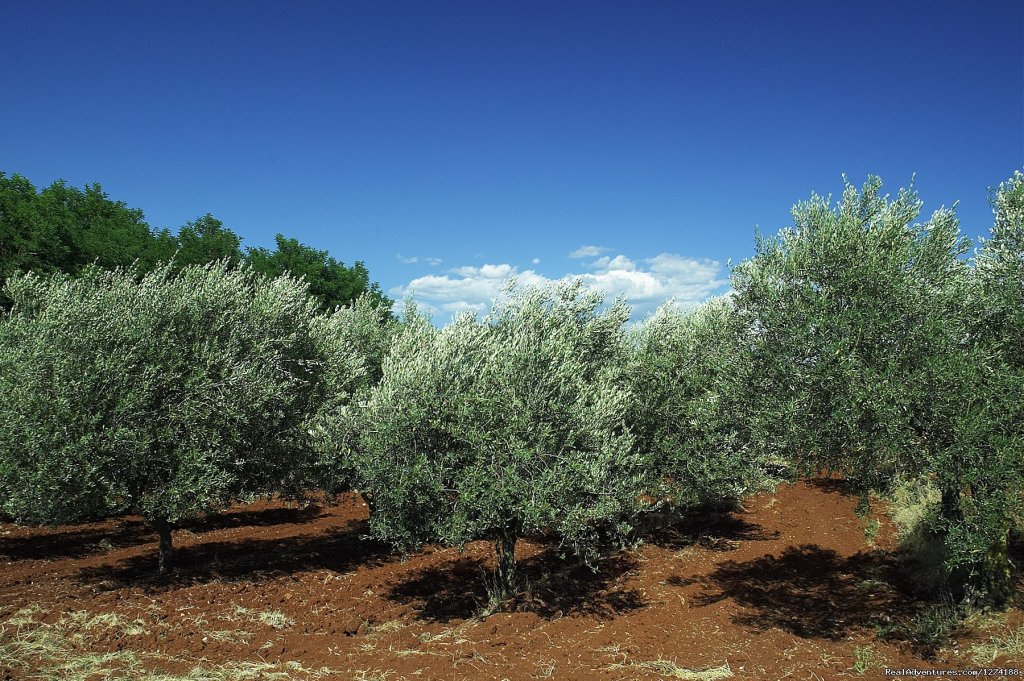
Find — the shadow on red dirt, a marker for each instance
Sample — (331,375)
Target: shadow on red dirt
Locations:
(808,591)
(554,588)
(787,586)
(339,549)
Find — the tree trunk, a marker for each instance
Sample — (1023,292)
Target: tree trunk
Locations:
(987,582)
(371,505)
(166,550)
(950,505)
(506,582)
(997,574)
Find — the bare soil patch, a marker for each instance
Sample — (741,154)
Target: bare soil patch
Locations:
(789,587)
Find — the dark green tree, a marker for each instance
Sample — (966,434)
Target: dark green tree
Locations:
(63,228)
(206,240)
(24,239)
(330,281)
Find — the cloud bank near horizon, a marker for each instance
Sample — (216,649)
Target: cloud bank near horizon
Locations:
(645,283)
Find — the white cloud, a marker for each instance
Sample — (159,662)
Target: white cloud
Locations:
(684,269)
(645,283)
(433,262)
(485,271)
(536,261)
(619,262)
(471,288)
(588,251)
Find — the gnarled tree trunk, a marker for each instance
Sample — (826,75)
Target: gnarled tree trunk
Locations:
(506,582)
(989,580)
(166,549)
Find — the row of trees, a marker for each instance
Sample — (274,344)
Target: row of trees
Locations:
(857,340)
(175,394)
(66,229)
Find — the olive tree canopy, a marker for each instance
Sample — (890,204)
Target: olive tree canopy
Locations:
(167,395)
(865,327)
(690,373)
(511,425)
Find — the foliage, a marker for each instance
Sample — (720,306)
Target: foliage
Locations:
(999,316)
(863,659)
(199,242)
(935,623)
(982,461)
(689,371)
(362,331)
(62,228)
(330,281)
(846,306)
(979,467)
(862,325)
(498,428)
(857,340)
(167,396)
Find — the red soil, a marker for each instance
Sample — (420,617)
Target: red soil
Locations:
(787,588)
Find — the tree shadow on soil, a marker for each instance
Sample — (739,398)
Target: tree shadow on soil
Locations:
(128,531)
(76,543)
(456,589)
(339,549)
(266,517)
(810,591)
(833,486)
(711,529)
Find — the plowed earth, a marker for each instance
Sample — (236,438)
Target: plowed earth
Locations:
(789,587)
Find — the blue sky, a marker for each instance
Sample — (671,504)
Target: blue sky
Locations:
(450,144)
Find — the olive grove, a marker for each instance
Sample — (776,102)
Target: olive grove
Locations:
(863,340)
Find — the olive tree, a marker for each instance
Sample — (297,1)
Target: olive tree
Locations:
(355,339)
(861,321)
(511,425)
(987,452)
(689,373)
(1000,275)
(167,395)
